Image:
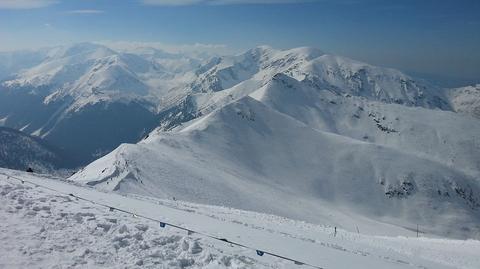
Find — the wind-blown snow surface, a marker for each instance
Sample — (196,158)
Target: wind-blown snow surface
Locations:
(21,151)
(251,156)
(46,229)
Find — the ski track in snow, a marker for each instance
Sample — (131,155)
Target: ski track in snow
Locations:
(43,229)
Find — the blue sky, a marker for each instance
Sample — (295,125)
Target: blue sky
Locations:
(440,38)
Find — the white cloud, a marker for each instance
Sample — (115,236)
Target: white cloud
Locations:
(171,2)
(219,2)
(25,4)
(191,49)
(232,2)
(85,11)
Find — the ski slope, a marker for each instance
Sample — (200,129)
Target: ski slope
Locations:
(45,227)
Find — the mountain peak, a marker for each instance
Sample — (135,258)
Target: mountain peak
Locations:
(309,53)
(283,79)
(260,50)
(263,48)
(84,48)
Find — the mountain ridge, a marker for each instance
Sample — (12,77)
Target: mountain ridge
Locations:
(292,132)
(238,156)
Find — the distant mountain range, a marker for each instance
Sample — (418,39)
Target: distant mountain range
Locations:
(289,132)
(88,98)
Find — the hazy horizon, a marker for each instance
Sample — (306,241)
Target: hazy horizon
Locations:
(437,40)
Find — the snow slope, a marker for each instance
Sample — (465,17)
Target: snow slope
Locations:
(335,73)
(46,229)
(65,92)
(81,97)
(428,133)
(15,61)
(466,100)
(86,73)
(21,151)
(249,156)
(229,78)
(308,131)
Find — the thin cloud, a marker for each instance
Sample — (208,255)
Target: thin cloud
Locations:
(214,49)
(237,2)
(171,2)
(85,11)
(25,4)
(219,2)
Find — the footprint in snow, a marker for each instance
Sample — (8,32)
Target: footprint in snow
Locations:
(123,229)
(114,221)
(165,240)
(195,248)
(78,217)
(183,262)
(141,227)
(104,226)
(121,241)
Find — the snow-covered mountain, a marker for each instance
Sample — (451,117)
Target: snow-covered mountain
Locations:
(86,98)
(424,132)
(85,74)
(15,61)
(293,132)
(466,100)
(229,78)
(297,151)
(335,73)
(21,151)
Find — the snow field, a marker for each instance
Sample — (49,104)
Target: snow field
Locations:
(40,229)
(48,230)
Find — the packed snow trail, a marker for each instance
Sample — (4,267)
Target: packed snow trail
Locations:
(80,220)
